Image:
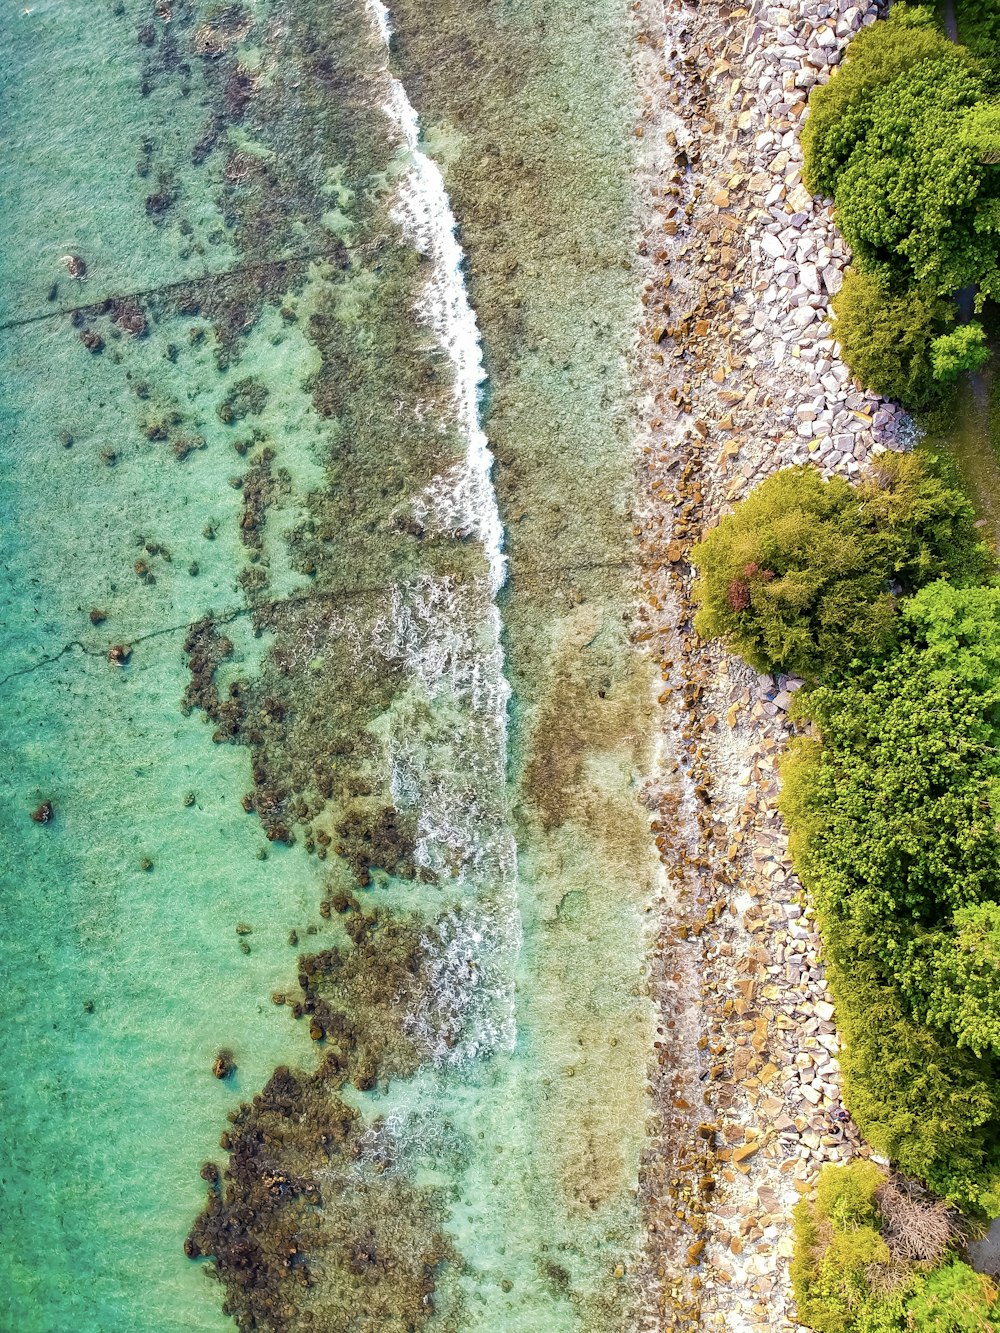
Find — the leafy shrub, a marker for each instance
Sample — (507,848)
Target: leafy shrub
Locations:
(878,56)
(829,1266)
(846,1278)
(886,340)
(963,349)
(792,580)
(925,523)
(954,1299)
(958,631)
(952,977)
(798,578)
(893,804)
(847,1198)
(899,824)
(886,140)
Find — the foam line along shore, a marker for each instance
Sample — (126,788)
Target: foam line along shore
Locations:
(298,992)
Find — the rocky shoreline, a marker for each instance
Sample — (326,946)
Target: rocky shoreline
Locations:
(740,377)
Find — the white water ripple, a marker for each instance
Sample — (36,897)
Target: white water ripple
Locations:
(447,734)
(461,501)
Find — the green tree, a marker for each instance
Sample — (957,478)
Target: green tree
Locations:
(894,818)
(919,1099)
(958,631)
(892,138)
(799,577)
(878,57)
(893,805)
(792,580)
(964,349)
(886,340)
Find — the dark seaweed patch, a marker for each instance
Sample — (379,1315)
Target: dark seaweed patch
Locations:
(311,1222)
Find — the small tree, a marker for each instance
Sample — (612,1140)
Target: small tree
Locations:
(798,578)
(791,580)
(956,352)
(886,340)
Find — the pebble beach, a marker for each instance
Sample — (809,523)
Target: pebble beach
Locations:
(373,375)
(741,377)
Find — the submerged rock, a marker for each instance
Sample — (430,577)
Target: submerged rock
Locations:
(370,1262)
(224,1064)
(75,267)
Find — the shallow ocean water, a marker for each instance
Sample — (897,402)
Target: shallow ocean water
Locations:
(122,983)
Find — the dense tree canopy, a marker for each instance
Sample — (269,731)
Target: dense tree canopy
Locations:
(979,29)
(799,578)
(899,139)
(881,594)
(894,808)
(905,138)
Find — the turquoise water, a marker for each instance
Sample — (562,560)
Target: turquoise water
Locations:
(285,452)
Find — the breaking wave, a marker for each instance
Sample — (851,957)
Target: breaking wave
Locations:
(448,732)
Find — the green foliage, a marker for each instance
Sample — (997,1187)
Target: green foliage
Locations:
(979,28)
(887,139)
(957,627)
(981,132)
(799,577)
(893,803)
(792,579)
(918,1098)
(894,813)
(925,522)
(954,1299)
(906,787)
(954,353)
(847,1198)
(846,1279)
(886,340)
(878,57)
(952,977)
(905,138)
(834,1252)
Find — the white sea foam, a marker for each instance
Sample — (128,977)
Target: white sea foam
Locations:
(461,500)
(381,19)
(447,732)
(447,752)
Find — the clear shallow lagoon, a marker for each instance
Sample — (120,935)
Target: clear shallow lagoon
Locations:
(181,155)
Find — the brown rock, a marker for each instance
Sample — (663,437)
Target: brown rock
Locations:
(223,1064)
